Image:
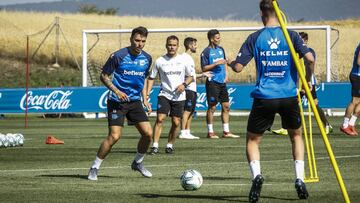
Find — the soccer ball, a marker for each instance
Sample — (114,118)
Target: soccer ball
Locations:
(4,140)
(19,139)
(11,140)
(191,179)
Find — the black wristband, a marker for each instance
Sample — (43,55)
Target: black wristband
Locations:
(185,85)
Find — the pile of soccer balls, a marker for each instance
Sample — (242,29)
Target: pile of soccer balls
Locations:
(191,179)
(11,140)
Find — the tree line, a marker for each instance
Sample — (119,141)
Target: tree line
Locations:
(93,9)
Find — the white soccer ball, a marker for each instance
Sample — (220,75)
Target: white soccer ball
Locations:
(2,137)
(19,139)
(11,139)
(191,179)
(4,140)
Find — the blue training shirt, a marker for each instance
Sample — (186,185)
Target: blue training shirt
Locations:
(356,68)
(211,55)
(276,72)
(129,72)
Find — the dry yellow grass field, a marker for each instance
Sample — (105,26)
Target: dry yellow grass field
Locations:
(14,26)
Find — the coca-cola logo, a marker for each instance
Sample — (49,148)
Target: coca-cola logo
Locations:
(103,100)
(56,100)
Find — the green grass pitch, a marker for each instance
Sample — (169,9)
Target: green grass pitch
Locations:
(38,172)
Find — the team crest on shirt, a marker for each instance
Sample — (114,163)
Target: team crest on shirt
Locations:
(273,43)
(142,62)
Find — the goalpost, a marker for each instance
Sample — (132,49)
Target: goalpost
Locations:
(85,72)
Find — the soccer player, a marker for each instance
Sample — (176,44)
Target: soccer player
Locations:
(213,60)
(275,92)
(353,109)
(191,95)
(175,75)
(311,79)
(129,68)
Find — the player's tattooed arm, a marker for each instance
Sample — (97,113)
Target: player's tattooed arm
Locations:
(105,79)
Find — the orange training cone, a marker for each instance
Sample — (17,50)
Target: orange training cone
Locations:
(53,140)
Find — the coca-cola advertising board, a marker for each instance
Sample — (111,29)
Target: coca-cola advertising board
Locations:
(94,99)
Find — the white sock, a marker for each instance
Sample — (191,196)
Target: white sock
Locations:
(352,120)
(210,128)
(299,169)
(139,157)
(156,145)
(169,145)
(183,132)
(346,122)
(97,162)
(226,127)
(255,168)
(187,132)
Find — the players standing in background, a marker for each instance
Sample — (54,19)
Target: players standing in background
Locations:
(275,92)
(353,109)
(129,67)
(311,79)
(175,75)
(191,95)
(213,60)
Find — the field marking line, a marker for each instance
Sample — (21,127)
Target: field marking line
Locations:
(164,165)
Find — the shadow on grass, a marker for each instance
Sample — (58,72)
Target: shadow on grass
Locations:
(278,198)
(117,151)
(229,198)
(72,176)
(224,178)
(78,176)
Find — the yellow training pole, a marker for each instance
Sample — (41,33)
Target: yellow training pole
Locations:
(303,121)
(311,100)
(305,133)
(310,138)
(310,151)
(315,177)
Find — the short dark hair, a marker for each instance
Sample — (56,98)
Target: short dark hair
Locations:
(139,30)
(188,41)
(211,33)
(304,35)
(267,7)
(172,37)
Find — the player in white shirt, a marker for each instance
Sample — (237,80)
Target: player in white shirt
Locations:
(175,75)
(191,95)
